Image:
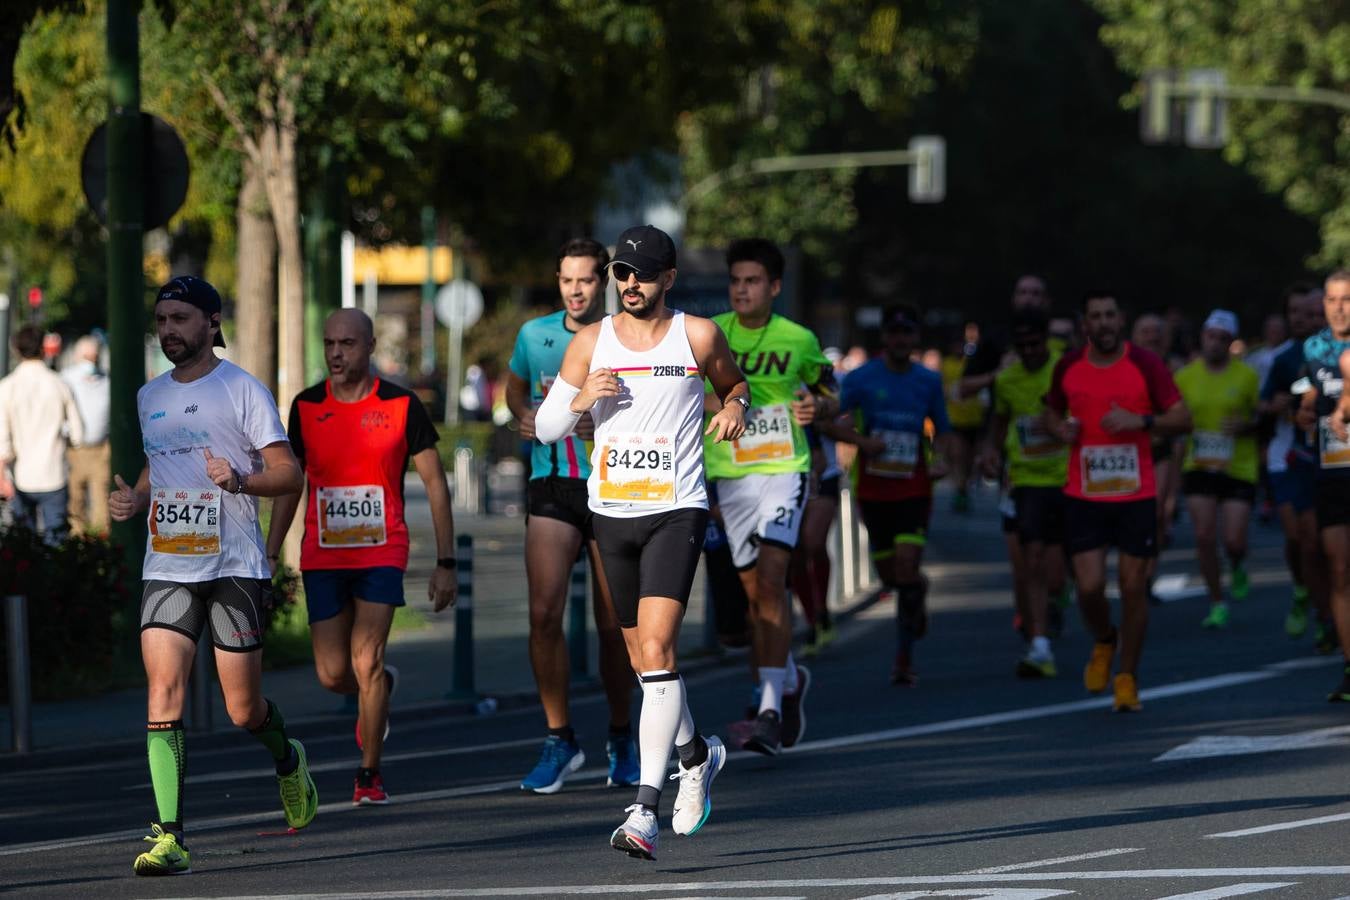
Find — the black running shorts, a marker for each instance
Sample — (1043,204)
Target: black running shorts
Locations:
(1040,514)
(1217,485)
(1129,525)
(559,498)
(1333,502)
(237,609)
(892,522)
(650,556)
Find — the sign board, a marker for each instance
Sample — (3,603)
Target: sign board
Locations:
(459,304)
(164,172)
(928,171)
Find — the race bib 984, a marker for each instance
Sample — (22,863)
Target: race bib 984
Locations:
(768,436)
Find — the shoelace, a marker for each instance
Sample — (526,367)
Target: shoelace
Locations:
(556,752)
(689,778)
(292,791)
(639,809)
(158,835)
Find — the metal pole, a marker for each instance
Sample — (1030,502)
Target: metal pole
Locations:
(428,320)
(201,684)
(20,677)
(462,687)
(576,631)
(848,545)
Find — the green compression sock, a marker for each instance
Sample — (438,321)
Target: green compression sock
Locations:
(272,735)
(164,746)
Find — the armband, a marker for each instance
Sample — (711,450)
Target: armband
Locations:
(555,420)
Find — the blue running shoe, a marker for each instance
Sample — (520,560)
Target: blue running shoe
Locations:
(558,760)
(623,762)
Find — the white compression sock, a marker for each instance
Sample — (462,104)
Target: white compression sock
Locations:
(790,685)
(664,715)
(771,688)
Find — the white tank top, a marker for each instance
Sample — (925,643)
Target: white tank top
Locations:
(648,455)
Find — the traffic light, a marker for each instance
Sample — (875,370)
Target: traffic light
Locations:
(34,297)
(928,171)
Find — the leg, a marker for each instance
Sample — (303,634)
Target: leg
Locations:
(1336,546)
(52,506)
(1203,509)
(1293,552)
(1037,589)
(550,547)
(78,486)
(1314,564)
(1236,516)
(1134,610)
(167,656)
(1089,571)
(331,639)
(616,674)
(241,682)
(98,480)
(369,637)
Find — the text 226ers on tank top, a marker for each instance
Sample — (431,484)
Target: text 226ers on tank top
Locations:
(648,455)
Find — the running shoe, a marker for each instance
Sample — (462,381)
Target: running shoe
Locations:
(1342,692)
(1296,623)
(1127,694)
(391,673)
(693,803)
(637,836)
(299,796)
(767,736)
(794,709)
(623,762)
(1097,673)
(167,857)
(1217,617)
(1239,585)
(902,673)
(557,760)
(372,794)
(825,636)
(1031,666)
(1325,641)
(739,732)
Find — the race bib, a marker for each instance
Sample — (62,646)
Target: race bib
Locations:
(1034,439)
(1211,450)
(1110,470)
(1335,452)
(768,436)
(900,458)
(637,467)
(351,516)
(185,521)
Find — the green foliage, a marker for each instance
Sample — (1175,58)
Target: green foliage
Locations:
(1299,151)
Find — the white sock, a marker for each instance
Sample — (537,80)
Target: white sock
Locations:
(790,679)
(1040,647)
(771,688)
(663,713)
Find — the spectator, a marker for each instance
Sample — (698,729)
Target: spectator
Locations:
(37,418)
(90,462)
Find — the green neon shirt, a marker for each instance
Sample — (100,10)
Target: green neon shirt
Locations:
(1213,397)
(1035,459)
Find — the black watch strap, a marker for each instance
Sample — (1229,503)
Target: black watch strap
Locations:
(446,562)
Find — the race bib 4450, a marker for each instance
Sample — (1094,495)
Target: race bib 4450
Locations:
(351,516)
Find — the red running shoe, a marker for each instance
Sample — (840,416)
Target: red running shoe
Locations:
(371,795)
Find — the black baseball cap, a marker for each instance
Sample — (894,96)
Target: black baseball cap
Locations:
(200,293)
(645,248)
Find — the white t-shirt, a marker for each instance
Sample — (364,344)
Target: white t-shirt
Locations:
(199,532)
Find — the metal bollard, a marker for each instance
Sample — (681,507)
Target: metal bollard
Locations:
(848,544)
(576,630)
(20,676)
(462,687)
(464,493)
(201,683)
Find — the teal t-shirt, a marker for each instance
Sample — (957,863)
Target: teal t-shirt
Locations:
(537,357)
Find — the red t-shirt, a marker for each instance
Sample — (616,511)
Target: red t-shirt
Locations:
(1103,466)
(354,456)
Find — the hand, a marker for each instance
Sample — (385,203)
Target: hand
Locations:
(600,383)
(221,473)
(728,424)
(526,425)
(585,428)
(804,408)
(1118,419)
(121,502)
(6,488)
(273,563)
(871,446)
(1068,431)
(443,589)
(1305,418)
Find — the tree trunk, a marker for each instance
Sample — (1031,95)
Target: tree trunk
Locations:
(256,279)
(279,163)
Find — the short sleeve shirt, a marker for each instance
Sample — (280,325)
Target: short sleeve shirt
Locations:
(355,456)
(1103,466)
(537,359)
(1212,397)
(777,360)
(1322,355)
(1035,457)
(893,406)
(197,531)
(1288,443)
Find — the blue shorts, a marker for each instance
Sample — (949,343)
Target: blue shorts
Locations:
(327,591)
(1296,486)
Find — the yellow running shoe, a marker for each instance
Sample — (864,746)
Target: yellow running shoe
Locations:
(167,857)
(299,796)
(1127,694)
(1097,674)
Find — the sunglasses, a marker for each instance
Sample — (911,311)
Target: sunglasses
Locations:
(622,272)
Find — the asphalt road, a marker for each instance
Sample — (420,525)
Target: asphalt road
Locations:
(1230,782)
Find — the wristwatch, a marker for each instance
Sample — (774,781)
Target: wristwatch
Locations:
(446,562)
(745,403)
(1148,422)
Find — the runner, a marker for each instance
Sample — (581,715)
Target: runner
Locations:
(810,575)
(1292,464)
(1219,472)
(213,443)
(1151,332)
(966,413)
(557,526)
(639,374)
(1106,400)
(1036,471)
(889,400)
(1319,409)
(762,478)
(354,434)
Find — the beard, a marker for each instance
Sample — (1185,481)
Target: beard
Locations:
(639,306)
(1105,341)
(180,350)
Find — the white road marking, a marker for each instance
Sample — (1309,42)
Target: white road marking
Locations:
(975,894)
(1282,826)
(1232,890)
(1059,860)
(1238,745)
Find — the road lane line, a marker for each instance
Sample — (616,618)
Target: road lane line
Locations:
(1281,826)
(1232,890)
(1059,860)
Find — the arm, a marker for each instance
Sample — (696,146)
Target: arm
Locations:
(991,455)
(518,401)
(565,403)
(74,424)
(280,475)
(283,513)
(127,501)
(443,587)
(714,357)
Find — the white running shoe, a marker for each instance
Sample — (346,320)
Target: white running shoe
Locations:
(694,801)
(637,835)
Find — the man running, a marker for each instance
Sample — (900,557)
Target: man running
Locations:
(640,375)
(810,573)
(1219,471)
(557,524)
(763,478)
(354,433)
(1105,401)
(1036,470)
(1151,332)
(889,399)
(213,443)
